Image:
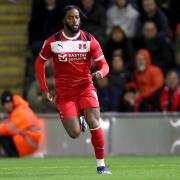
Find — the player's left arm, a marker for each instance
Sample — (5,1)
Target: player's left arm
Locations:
(103,69)
(98,57)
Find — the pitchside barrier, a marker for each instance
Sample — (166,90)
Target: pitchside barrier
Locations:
(125,134)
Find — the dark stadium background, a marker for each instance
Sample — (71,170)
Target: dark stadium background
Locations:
(134,124)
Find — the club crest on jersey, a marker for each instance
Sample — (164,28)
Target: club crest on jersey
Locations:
(82,46)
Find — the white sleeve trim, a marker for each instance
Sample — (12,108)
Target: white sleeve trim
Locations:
(99,58)
(43,57)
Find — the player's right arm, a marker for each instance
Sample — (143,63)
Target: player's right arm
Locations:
(43,56)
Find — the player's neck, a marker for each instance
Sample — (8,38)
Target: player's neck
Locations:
(69,33)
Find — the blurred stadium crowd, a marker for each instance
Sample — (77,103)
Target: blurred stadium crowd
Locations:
(141,42)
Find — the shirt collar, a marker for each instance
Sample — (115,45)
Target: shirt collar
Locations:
(71,38)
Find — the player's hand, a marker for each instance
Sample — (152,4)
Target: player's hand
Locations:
(47,97)
(97,75)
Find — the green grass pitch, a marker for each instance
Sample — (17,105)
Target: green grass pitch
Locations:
(83,168)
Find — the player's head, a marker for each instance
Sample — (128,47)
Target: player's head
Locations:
(7,101)
(71,18)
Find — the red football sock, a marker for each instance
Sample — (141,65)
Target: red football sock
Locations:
(97,139)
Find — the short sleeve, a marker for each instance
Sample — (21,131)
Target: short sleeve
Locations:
(45,52)
(96,51)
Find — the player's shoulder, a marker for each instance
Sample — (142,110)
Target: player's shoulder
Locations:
(52,38)
(86,35)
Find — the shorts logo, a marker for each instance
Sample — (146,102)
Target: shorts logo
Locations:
(95,94)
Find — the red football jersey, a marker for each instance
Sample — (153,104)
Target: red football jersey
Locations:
(72,58)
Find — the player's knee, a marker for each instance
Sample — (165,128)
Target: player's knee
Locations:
(94,123)
(74,134)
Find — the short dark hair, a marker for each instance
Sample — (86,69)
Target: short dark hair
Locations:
(6,96)
(70,7)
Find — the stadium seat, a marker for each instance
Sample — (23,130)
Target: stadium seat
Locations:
(14,19)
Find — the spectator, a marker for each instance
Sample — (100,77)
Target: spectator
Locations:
(21,133)
(151,12)
(169,99)
(45,20)
(161,50)
(96,19)
(104,92)
(118,41)
(148,80)
(164,5)
(118,78)
(122,13)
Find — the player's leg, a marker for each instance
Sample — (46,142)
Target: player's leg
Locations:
(88,103)
(92,116)
(72,126)
(69,115)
